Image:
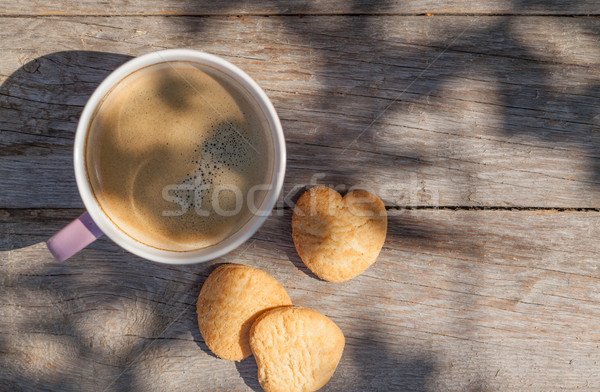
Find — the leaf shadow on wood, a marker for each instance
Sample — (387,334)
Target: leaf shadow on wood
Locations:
(28,360)
(90,317)
(389,54)
(490,52)
(372,86)
(103,311)
(381,368)
(543,5)
(536,110)
(433,240)
(50,305)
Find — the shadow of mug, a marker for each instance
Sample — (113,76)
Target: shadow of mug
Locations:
(40,105)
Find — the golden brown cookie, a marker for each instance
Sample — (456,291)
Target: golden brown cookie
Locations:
(338,238)
(229,302)
(296,349)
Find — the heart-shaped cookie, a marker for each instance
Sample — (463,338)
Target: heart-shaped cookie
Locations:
(232,297)
(296,349)
(338,238)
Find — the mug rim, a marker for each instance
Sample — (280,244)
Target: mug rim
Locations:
(127,242)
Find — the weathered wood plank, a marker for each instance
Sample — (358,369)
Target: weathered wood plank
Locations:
(279,7)
(458,300)
(447,111)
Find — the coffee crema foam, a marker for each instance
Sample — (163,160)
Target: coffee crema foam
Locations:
(166,149)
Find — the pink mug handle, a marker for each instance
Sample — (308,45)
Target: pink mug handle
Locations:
(73,237)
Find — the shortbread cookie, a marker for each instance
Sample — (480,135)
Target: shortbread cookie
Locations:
(338,238)
(296,349)
(229,302)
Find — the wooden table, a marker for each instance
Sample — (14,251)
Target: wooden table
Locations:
(475,121)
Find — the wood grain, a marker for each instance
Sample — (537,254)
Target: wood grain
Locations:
(448,111)
(474,113)
(457,301)
(286,7)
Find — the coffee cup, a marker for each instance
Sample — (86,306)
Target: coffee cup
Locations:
(231,143)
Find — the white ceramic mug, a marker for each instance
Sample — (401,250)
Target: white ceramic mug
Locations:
(92,224)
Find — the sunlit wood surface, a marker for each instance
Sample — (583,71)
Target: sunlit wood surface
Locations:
(477,123)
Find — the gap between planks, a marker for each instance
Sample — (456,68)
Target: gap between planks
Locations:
(24,210)
(50,14)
